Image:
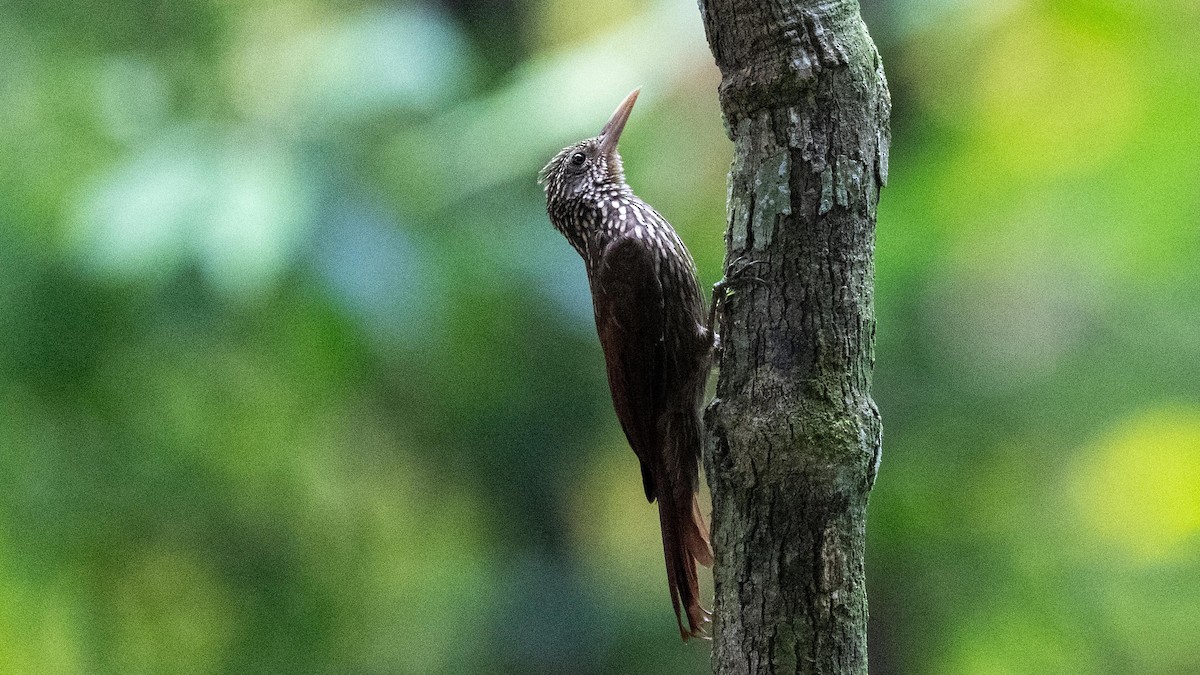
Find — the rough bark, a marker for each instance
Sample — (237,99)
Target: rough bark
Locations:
(795,438)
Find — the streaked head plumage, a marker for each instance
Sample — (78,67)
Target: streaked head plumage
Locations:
(591,166)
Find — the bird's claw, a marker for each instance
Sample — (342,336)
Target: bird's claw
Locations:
(733,275)
(722,291)
(738,266)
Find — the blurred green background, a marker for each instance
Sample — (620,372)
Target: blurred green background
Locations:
(295,375)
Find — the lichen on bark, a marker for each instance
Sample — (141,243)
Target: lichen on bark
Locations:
(794,435)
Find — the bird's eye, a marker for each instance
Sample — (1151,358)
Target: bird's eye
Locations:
(578,159)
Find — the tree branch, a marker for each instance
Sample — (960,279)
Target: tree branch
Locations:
(795,436)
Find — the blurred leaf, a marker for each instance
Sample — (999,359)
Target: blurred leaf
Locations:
(169,598)
(551,102)
(330,70)
(232,204)
(1137,493)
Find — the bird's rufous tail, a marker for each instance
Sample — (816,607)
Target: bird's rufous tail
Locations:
(685,543)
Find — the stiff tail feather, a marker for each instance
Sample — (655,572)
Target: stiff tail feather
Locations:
(685,543)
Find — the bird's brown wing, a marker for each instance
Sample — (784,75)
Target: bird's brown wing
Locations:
(628,302)
(630,318)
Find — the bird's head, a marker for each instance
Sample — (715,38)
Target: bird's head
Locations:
(589,166)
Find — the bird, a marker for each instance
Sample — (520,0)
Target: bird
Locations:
(657,340)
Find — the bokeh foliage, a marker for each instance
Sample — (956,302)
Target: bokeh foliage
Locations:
(295,376)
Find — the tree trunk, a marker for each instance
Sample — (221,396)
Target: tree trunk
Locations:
(795,436)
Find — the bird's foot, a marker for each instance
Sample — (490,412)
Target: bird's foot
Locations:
(723,290)
(735,270)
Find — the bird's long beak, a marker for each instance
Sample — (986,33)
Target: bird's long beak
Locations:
(611,133)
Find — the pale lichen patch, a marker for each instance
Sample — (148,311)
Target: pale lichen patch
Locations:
(772,196)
